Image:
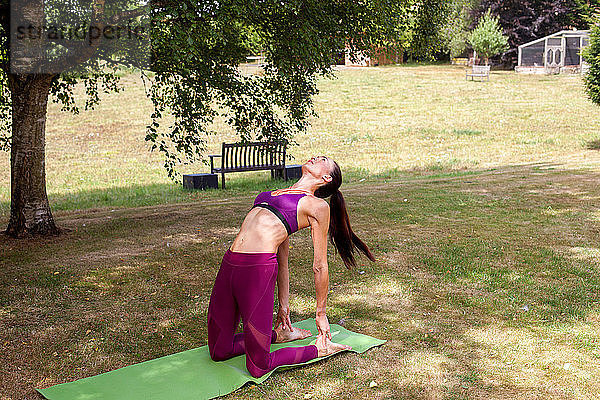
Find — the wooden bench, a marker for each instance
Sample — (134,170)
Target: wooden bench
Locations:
(478,71)
(250,156)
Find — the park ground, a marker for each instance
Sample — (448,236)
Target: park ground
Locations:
(479,200)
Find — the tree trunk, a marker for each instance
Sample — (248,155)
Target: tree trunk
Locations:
(29,207)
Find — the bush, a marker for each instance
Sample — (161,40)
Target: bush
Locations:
(592,56)
(487,38)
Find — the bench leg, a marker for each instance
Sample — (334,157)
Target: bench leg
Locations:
(278,173)
(223,181)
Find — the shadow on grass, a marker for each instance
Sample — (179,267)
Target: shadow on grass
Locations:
(153,194)
(486,286)
(238,184)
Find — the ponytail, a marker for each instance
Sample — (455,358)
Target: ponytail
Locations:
(340,232)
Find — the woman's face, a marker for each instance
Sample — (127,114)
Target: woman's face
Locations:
(319,167)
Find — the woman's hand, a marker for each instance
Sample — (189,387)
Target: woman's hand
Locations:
(326,347)
(283,318)
(323,326)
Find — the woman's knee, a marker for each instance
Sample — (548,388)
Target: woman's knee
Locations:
(217,354)
(256,370)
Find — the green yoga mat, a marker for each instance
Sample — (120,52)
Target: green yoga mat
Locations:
(190,374)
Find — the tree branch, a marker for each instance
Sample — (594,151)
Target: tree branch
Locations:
(125,15)
(86,49)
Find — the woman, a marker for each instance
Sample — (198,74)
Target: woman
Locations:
(245,284)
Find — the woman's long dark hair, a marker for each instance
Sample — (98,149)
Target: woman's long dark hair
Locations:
(340,232)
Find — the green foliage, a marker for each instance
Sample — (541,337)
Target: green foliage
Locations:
(591,54)
(525,20)
(428,39)
(584,13)
(61,90)
(5,99)
(196,77)
(457,44)
(251,40)
(398,34)
(195,47)
(487,38)
(457,28)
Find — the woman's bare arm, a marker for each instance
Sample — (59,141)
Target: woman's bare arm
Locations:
(283,285)
(319,224)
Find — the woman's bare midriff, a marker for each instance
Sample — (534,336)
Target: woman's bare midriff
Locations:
(261,232)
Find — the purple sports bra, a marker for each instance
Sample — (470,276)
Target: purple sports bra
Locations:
(285,206)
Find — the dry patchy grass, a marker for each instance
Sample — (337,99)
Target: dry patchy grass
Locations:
(486,286)
(371,121)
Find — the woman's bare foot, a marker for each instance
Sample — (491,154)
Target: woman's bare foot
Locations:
(326,347)
(285,335)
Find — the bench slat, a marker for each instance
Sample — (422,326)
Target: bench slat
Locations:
(252,156)
(479,71)
(270,157)
(227,158)
(233,157)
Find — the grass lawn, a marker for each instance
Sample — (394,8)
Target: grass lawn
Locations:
(480,202)
(375,120)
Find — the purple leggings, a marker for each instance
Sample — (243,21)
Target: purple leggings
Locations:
(245,286)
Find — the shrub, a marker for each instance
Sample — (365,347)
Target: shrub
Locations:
(487,38)
(591,55)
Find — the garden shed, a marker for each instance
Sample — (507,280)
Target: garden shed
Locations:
(553,54)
